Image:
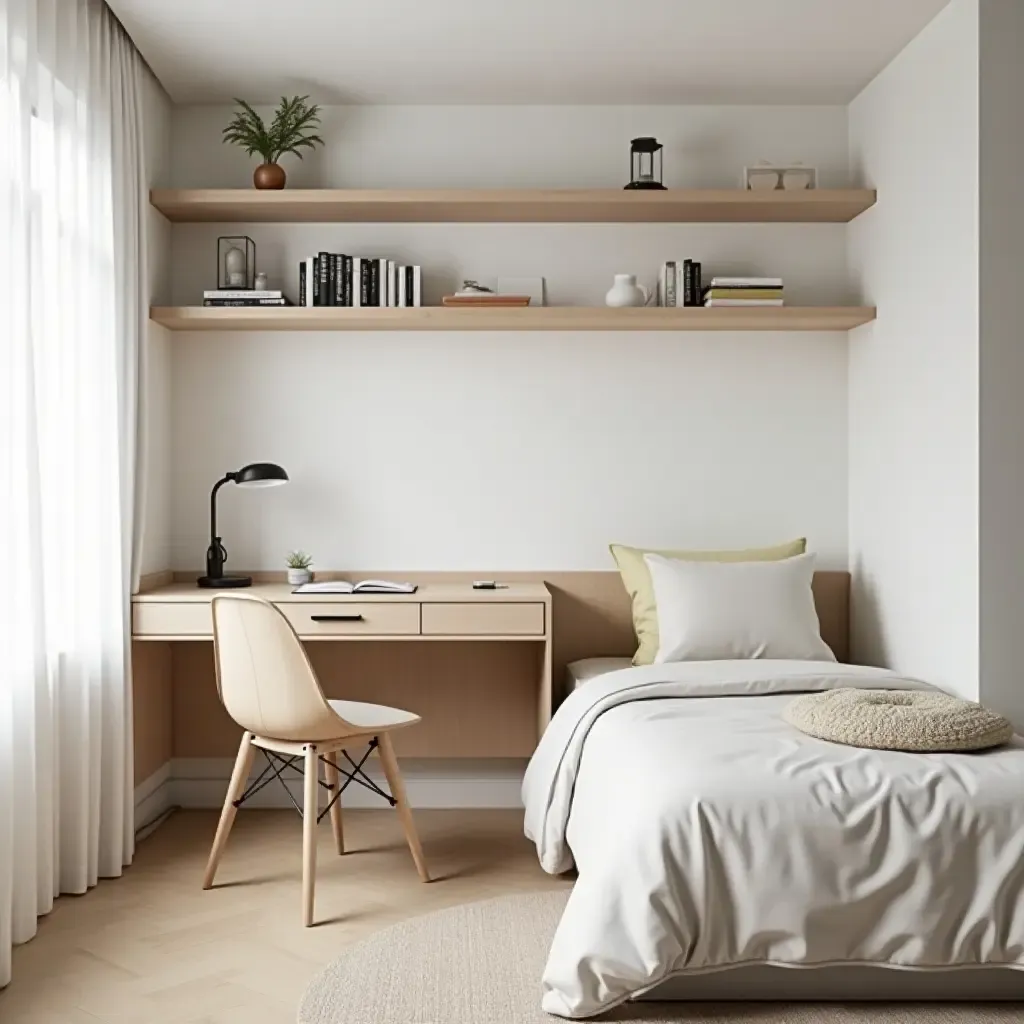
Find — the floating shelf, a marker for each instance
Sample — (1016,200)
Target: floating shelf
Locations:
(496,206)
(512,318)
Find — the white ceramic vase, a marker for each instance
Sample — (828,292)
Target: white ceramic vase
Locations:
(296,577)
(626,292)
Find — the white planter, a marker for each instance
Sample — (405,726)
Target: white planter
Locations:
(626,292)
(296,577)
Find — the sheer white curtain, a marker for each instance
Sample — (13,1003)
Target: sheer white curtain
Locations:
(71,193)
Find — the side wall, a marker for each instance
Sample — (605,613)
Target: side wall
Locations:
(913,399)
(1002,357)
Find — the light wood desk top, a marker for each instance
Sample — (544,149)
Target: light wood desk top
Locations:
(427,593)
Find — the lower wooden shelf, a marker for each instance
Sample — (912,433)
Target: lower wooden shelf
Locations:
(521,318)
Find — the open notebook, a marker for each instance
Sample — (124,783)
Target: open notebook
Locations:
(362,587)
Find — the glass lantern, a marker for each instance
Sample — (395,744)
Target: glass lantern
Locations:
(236,263)
(645,164)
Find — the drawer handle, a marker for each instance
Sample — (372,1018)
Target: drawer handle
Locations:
(350,617)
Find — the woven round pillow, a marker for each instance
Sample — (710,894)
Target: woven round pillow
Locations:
(898,720)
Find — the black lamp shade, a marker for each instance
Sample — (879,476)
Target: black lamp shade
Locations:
(260,474)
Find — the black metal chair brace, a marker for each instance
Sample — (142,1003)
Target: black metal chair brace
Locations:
(278,764)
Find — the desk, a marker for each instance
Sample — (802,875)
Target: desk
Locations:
(484,689)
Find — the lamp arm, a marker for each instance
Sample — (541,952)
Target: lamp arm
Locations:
(227,478)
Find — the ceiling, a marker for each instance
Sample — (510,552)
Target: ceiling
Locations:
(522,51)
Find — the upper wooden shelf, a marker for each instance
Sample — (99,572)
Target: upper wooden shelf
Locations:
(495,206)
(513,318)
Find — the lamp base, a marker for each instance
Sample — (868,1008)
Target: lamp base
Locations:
(635,186)
(218,582)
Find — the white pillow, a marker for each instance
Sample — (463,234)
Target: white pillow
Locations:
(709,611)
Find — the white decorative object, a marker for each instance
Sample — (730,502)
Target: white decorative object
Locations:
(766,177)
(260,284)
(713,610)
(234,267)
(296,577)
(626,292)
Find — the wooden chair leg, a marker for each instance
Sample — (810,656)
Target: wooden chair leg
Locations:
(390,764)
(334,781)
(239,777)
(310,807)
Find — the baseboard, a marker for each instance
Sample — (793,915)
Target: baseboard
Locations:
(153,796)
(202,781)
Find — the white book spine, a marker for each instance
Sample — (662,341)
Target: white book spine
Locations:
(746,282)
(309,280)
(392,284)
(250,293)
(382,282)
(417,286)
(357,282)
(721,303)
(401,286)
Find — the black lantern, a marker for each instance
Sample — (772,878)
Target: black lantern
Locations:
(236,263)
(645,163)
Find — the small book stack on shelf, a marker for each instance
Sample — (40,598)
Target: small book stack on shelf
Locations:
(743,291)
(680,284)
(334,279)
(244,297)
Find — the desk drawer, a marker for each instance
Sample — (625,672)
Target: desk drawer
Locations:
(172,618)
(337,618)
(484,619)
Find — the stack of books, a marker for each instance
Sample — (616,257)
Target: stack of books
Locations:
(743,291)
(244,297)
(334,279)
(679,284)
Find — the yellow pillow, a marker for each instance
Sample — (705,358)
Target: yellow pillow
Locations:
(636,578)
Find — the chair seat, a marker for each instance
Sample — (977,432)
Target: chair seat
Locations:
(372,716)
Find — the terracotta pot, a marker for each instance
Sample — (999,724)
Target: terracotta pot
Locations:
(268,176)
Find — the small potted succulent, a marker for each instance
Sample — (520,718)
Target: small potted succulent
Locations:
(292,129)
(298,568)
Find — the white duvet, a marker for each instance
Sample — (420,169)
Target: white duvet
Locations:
(708,833)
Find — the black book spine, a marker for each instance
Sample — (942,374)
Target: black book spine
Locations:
(346,280)
(409,273)
(364,283)
(688,298)
(317,301)
(374,299)
(698,285)
(325,278)
(337,285)
(302,282)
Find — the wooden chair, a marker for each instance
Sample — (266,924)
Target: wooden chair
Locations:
(269,688)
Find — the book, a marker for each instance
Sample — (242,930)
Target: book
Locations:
(720,303)
(698,290)
(690,297)
(362,587)
(382,282)
(746,282)
(356,277)
(417,287)
(302,283)
(392,285)
(401,275)
(743,293)
(316,282)
(668,276)
(245,302)
(346,278)
(364,282)
(243,293)
(324,277)
(408,285)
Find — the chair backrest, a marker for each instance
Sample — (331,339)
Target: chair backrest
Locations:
(264,677)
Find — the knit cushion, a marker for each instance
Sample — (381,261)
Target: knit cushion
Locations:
(898,720)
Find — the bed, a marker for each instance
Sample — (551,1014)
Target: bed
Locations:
(714,842)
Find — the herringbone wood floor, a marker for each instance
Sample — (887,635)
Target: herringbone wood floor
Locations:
(153,948)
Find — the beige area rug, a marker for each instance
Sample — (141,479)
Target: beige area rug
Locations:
(481,963)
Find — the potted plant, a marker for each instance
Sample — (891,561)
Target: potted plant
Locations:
(298,568)
(292,130)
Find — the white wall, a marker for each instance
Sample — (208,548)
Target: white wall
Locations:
(155,404)
(1002,357)
(517,451)
(913,485)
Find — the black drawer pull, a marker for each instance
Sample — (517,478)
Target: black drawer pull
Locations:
(350,617)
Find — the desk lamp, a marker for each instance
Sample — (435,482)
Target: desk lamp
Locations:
(257,474)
